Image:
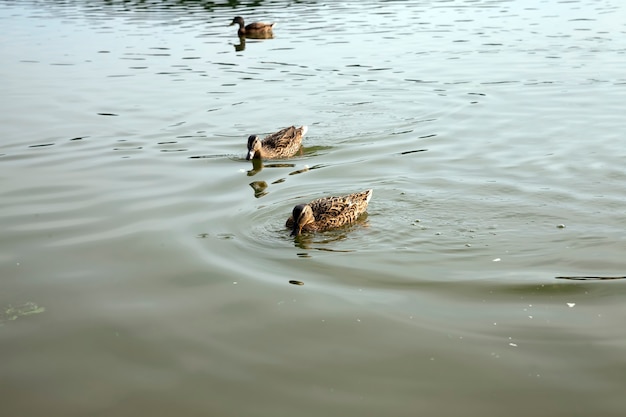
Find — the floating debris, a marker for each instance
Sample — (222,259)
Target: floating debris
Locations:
(295,282)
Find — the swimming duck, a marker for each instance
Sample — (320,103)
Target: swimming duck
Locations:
(328,212)
(253,30)
(282,144)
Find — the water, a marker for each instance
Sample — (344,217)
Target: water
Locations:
(145,268)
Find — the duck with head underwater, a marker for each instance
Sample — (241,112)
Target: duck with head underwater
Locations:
(328,212)
(259,30)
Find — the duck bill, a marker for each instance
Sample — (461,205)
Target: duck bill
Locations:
(250,155)
(296,230)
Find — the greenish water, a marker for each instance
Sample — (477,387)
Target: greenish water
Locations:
(144,263)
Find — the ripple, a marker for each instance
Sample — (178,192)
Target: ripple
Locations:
(128,206)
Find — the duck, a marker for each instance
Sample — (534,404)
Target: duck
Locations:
(253,30)
(328,212)
(282,144)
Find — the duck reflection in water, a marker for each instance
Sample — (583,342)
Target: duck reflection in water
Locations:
(241,45)
(259,188)
(309,241)
(257,166)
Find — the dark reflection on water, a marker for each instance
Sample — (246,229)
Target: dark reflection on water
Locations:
(307,240)
(589,278)
(42,145)
(258,165)
(413,151)
(279,165)
(140,5)
(241,45)
(316,241)
(259,188)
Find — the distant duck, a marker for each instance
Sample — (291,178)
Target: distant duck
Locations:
(328,212)
(253,30)
(282,144)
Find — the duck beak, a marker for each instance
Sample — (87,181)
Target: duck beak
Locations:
(296,230)
(250,155)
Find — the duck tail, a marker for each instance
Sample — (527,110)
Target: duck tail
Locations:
(304,129)
(369,194)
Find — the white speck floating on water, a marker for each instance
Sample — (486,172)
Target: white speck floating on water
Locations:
(497,260)
(570,305)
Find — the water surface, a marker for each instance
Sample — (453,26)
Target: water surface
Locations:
(145,267)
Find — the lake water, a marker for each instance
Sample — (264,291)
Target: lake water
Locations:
(144,264)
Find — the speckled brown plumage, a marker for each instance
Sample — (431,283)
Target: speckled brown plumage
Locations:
(282,144)
(253,30)
(328,212)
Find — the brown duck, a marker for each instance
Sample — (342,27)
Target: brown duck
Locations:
(328,212)
(253,30)
(282,144)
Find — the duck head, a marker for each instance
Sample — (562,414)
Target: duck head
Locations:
(302,215)
(237,21)
(254,147)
